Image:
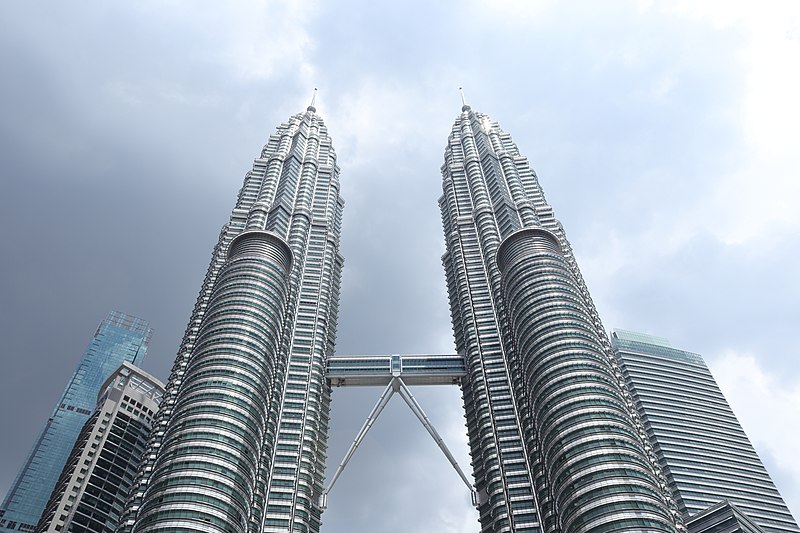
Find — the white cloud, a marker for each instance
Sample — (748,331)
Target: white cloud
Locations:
(513,11)
(144,93)
(768,409)
(375,117)
(752,192)
(256,39)
(763,192)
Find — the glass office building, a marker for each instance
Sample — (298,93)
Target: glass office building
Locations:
(723,517)
(118,339)
(240,441)
(93,487)
(555,442)
(702,449)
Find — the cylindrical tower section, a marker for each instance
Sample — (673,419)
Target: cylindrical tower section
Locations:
(598,475)
(205,473)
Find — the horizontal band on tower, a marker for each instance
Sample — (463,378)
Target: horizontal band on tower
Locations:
(524,242)
(262,243)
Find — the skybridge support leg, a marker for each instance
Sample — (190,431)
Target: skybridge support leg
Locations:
(376,411)
(397,385)
(415,407)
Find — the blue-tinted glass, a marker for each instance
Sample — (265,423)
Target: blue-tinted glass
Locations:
(119,338)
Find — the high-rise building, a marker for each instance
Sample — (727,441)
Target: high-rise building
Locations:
(702,449)
(93,487)
(239,444)
(556,444)
(240,441)
(119,338)
(723,517)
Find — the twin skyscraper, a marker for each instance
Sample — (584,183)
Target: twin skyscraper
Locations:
(557,436)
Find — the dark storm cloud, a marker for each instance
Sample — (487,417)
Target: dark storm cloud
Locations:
(106,202)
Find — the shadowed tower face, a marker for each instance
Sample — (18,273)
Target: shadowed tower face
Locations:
(240,442)
(554,441)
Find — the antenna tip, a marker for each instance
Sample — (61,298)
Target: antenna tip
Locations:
(312,107)
(464,106)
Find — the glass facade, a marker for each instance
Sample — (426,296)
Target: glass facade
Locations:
(702,449)
(94,485)
(119,338)
(379,370)
(240,441)
(723,517)
(555,442)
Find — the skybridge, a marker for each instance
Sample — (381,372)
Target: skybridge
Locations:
(396,373)
(379,370)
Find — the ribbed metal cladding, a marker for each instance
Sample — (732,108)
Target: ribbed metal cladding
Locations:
(546,463)
(243,363)
(598,475)
(474,187)
(263,245)
(206,471)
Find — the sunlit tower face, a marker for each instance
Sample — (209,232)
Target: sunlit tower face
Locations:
(240,443)
(555,443)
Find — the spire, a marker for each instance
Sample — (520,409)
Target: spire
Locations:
(313,100)
(464,106)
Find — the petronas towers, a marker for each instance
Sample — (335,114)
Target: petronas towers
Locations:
(240,442)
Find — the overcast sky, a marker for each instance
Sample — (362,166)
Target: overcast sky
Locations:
(665,135)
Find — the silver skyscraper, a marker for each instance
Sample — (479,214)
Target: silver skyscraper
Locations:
(703,450)
(239,444)
(555,441)
(240,441)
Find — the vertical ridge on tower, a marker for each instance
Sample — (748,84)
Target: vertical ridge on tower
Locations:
(554,438)
(240,442)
